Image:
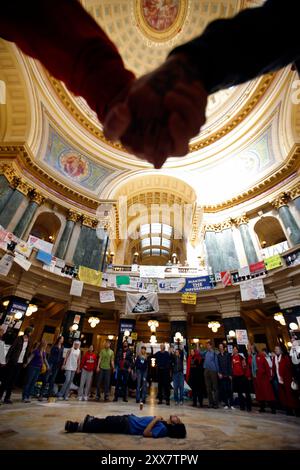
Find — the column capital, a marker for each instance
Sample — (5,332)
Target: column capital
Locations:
(73,216)
(281,200)
(241,220)
(88,221)
(23,187)
(294,192)
(37,197)
(10,175)
(213,227)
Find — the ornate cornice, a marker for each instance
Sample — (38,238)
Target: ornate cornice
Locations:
(89,221)
(213,227)
(294,192)
(73,216)
(241,219)
(9,174)
(80,117)
(23,187)
(228,223)
(37,197)
(281,200)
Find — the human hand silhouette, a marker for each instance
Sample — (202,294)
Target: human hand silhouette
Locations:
(162,111)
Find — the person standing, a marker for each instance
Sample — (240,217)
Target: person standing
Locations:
(71,365)
(240,379)
(211,370)
(141,367)
(225,377)
(163,363)
(16,357)
(55,360)
(261,375)
(104,369)
(194,376)
(283,376)
(88,365)
(35,364)
(178,376)
(123,366)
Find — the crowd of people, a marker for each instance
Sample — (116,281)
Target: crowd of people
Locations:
(227,379)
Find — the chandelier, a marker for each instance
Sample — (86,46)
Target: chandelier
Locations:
(279,317)
(214,325)
(31,309)
(93,321)
(178,337)
(153,324)
(153,339)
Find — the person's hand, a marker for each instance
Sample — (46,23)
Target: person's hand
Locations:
(159,418)
(220,375)
(162,112)
(98,369)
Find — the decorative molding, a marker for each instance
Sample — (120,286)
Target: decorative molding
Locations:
(89,221)
(228,223)
(9,174)
(213,227)
(281,200)
(37,197)
(294,192)
(73,216)
(23,187)
(241,220)
(81,118)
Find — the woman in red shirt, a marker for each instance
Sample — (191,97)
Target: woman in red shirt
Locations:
(261,376)
(88,365)
(240,379)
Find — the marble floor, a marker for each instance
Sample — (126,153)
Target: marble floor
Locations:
(40,425)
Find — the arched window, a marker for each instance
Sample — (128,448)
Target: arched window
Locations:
(269,231)
(46,227)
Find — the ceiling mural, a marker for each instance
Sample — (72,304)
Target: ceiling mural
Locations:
(72,164)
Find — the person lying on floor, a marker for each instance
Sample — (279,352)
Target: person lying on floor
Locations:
(147,426)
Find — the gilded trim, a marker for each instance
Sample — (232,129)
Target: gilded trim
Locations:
(281,200)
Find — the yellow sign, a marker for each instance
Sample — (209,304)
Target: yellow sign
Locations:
(273,262)
(134,336)
(90,276)
(189,298)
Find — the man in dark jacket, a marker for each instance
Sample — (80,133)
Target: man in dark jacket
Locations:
(16,357)
(123,365)
(163,363)
(225,377)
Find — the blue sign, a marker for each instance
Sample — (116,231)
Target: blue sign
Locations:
(195,284)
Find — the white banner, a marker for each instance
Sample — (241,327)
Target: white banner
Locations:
(253,289)
(106,296)
(23,249)
(5,264)
(76,288)
(171,285)
(142,303)
(241,337)
(245,271)
(40,244)
(22,261)
(157,272)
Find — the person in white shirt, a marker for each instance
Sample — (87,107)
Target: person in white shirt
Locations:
(71,365)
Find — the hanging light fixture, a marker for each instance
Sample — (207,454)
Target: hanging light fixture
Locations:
(195,340)
(293,326)
(18,315)
(110,337)
(153,324)
(232,334)
(5,303)
(280,318)
(153,339)
(126,333)
(31,309)
(214,325)
(93,321)
(74,327)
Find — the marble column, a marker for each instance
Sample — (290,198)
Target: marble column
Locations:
(178,326)
(230,258)
(62,247)
(15,305)
(287,218)
(242,223)
(214,256)
(89,247)
(230,309)
(5,192)
(294,194)
(19,195)
(24,222)
(125,324)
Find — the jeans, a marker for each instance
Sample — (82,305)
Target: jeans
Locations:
(178,383)
(241,385)
(104,375)
(109,425)
(141,379)
(211,382)
(85,382)
(10,375)
(69,376)
(32,376)
(122,380)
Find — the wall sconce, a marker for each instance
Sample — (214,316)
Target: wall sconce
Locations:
(31,309)
(110,337)
(93,321)
(153,361)
(135,258)
(174,258)
(178,338)
(293,326)
(74,327)
(18,315)
(280,318)
(289,344)
(214,325)
(232,334)
(111,257)
(195,340)
(5,303)
(153,339)
(153,324)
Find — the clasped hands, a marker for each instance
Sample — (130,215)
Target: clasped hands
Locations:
(160,113)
